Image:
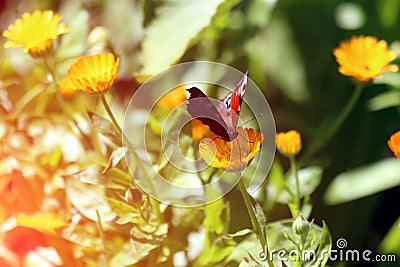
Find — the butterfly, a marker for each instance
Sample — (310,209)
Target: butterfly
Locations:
(222,118)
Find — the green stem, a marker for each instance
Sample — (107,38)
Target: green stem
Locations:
(322,141)
(297,195)
(102,236)
(254,221)
(54,81)
(132,149)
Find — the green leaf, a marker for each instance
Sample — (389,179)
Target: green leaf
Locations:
(309,179)
(248,247)
(324,248)
(88,198)
(384,100)
(390,243)
(240,233)
(119,176)
(115,158)
(363,181)
(214,222)
(276,184)
(105,127)
(93,175)
(120,208)
(127,256)
(277,241)
(170,33)
(215,254)
(260,217)
(389,78)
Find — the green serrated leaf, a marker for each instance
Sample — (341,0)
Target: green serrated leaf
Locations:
(120,208)
(105,127)
(363,181)
(88,199)
(161,48)
(324,248)
(115,158)
(93,175)
(127,218)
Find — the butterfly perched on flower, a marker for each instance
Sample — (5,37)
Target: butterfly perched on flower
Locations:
(222,119)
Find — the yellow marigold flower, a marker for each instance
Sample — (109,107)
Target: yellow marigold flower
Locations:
(91,74)
(234,155)
(199,130)
(173,98)
(364,58)
(394,143)
(35,32)
(288,143)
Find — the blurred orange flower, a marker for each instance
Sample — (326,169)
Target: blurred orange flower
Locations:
(173,98)
(30,248)
(394,143)
(35,32)
(19,194)
(91,74)
(288,143)
(234,155)
(364,58)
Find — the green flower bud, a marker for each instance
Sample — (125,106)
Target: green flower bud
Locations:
(301,226)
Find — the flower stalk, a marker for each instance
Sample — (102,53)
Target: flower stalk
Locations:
(253,218)
(297,195)
(321,142)
(131,148)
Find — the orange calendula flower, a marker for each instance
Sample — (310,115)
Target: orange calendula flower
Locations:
(234,155)
(173,98)
(288,143)
(364,58)
(35,32)
(199,130)
(394,143)
(91,74)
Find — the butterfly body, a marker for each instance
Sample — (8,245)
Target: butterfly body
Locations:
(221,118)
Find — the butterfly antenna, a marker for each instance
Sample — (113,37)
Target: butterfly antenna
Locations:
(252,119)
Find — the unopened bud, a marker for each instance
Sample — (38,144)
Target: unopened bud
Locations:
(301,226)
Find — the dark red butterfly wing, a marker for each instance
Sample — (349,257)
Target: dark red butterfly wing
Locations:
(222,119)
(231,103)
(201,108)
